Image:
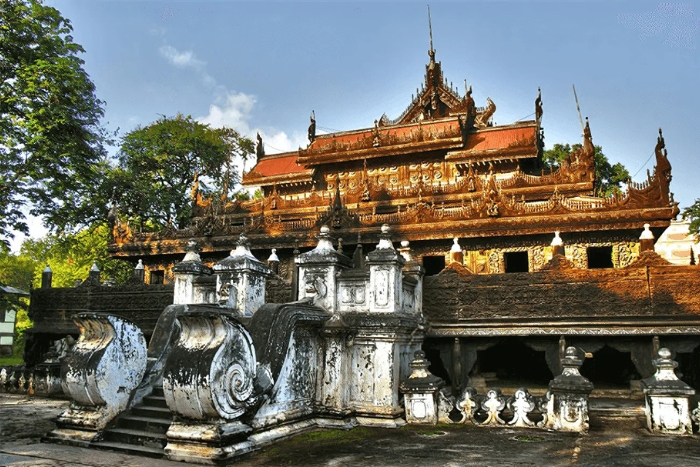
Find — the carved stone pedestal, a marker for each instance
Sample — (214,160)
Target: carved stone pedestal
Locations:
(206,441)
(666,399)
(569,395)
(420,392)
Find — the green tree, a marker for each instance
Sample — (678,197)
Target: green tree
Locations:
(161,166)
(17,271)
(71,256)
(50,135)
(692,213)
(608,176)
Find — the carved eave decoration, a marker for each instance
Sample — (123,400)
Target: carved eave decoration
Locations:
(376,142)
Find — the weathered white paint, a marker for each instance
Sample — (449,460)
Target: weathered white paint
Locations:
(240,280)
(666,396)
(106,364)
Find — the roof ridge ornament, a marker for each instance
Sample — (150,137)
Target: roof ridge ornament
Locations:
(431,51)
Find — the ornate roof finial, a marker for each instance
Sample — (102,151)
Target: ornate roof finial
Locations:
(431,52)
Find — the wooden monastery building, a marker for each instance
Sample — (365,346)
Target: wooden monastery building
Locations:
(518,258)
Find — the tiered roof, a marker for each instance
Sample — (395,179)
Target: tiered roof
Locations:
(441,169)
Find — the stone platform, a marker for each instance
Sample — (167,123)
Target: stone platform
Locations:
(616,438)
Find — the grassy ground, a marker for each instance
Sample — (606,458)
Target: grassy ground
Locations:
(9,361)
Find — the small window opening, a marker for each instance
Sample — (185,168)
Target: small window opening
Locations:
(599,257)
(516,261)
(157,277)
(433,264)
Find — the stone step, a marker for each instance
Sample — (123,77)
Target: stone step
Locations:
(154,412)
(622,408)
(158,391)
(146,424)
(154,401)
(135,437)
(145,451)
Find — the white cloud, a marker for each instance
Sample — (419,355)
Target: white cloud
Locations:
(234,112)
(231,108)
(181,59)
(187,59)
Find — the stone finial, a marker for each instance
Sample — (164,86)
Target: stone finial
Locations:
(456,255)
(273,261)
(46,277)
(405,250)
(572,361)
(385,238)
(93,278)
(646,239)
(192,251)
(557,244)
(557,241)
(324,240)
(242,247)
(139,275)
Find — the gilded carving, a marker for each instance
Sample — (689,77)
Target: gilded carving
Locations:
(578,256)
(495,262)
(537,258)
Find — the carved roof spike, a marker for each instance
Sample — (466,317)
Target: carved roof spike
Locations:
(538,106)
(431,51)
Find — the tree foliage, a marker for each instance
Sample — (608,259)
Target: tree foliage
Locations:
(161,166)
(71,256)
(51,142)
(609,177)
(692,213)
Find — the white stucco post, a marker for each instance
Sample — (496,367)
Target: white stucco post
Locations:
(385,276)
(240,280)
(187,272)
(317,272)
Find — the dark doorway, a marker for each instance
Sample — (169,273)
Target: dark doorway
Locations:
(516,261)
(514,364)
(433,264)
(599,257)
(610,369)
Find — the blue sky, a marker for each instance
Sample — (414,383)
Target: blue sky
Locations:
(264,66)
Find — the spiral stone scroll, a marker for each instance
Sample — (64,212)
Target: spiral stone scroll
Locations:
(211,373)
(105,365)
